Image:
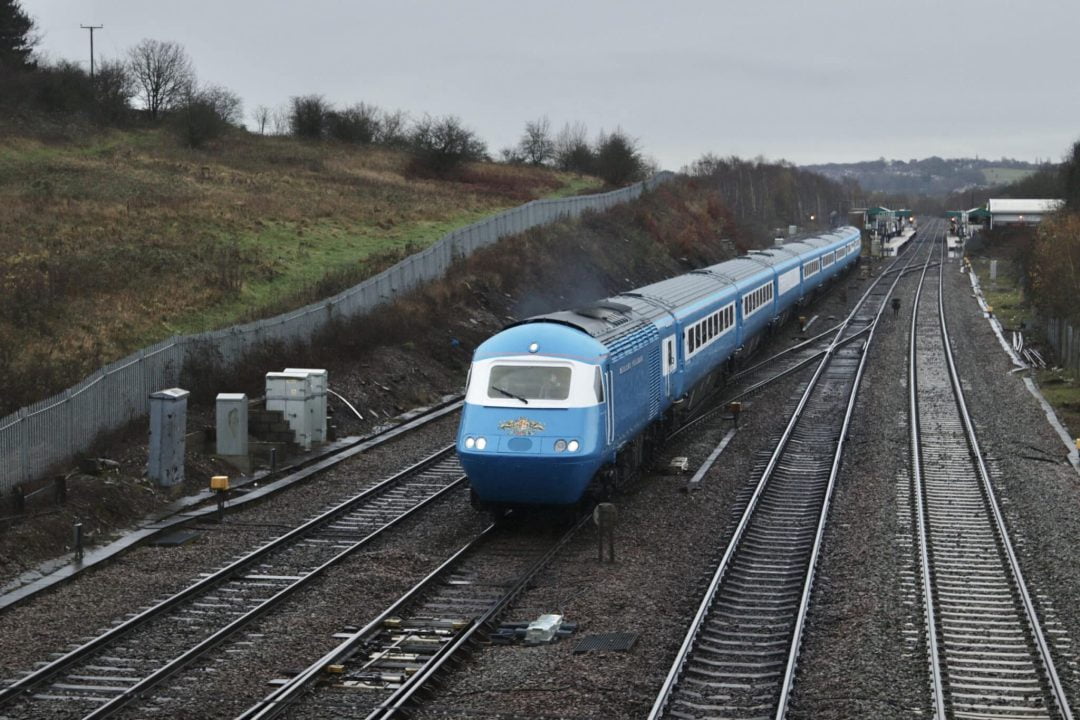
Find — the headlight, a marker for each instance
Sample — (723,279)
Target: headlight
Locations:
(470,442)
(573,446)
(481,443)
(560,445)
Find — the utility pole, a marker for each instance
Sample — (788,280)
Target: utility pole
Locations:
(91,28)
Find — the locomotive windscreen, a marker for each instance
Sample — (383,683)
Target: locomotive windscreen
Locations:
(529,382)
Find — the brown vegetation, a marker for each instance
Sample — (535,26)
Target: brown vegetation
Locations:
(121,239)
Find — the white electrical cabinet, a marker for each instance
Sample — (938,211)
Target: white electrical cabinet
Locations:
(168,427)
(232,424)
(319,380)
(290,394)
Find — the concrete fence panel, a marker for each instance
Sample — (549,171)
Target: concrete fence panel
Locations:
(41,437)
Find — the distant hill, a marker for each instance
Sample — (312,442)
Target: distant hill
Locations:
(930,176)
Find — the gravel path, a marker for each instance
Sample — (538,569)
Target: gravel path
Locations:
(82,608)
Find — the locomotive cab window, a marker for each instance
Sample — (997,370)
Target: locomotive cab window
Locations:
(529,382)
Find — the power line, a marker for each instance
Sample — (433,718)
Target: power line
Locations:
(91,28)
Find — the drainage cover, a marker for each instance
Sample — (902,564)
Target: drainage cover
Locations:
(606,642)
(178,537)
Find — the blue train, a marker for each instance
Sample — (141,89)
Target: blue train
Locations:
(569,403)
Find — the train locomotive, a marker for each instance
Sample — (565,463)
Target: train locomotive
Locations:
(561,407)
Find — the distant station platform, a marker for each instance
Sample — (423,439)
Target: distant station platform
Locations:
(892,246)
(955,245)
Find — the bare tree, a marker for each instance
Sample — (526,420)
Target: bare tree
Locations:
(572,150)
(162,72)
(393,128)
(261,115)
(536,145)
(280,120)
(226,104)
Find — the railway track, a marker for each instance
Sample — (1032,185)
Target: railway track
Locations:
(739,656)
(384,668)
(988,655)
(120,666)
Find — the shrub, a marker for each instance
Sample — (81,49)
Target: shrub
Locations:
(618,160)
(206,115)
(308,116)
(357,124)
(444,144)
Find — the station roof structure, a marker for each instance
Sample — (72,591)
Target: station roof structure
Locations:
(975,213)
(1030,211)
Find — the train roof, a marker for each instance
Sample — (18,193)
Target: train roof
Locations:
(611,318)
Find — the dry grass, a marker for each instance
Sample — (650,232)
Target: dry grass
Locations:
(114,241)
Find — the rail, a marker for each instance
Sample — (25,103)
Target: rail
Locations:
(780,540)
(967,562)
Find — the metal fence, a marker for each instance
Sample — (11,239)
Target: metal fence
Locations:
(1066,342)
(51,432)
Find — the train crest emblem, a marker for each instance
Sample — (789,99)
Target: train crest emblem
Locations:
(521,426)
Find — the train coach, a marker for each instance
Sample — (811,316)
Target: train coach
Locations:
(563,406)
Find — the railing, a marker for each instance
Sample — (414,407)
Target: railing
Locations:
(51,432)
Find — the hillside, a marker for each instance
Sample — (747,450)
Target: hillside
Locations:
(118,240)
(931,176)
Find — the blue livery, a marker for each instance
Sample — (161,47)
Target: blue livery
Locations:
(567,403)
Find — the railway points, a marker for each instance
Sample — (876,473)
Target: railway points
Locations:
(123,664)
(739,655)
(850,343)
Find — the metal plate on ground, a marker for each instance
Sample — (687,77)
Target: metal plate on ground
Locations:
(177,537)
(606,642)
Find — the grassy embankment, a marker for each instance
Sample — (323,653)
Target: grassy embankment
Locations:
(1005,295)
(116,241)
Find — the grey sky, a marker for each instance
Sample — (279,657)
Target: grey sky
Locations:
(834,80)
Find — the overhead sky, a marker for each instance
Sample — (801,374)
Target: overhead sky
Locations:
(834,80)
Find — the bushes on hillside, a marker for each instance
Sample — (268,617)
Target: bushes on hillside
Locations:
(307,116)
(618,160)
(1054,266)
(443,144)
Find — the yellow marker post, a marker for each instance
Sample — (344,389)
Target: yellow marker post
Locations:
(220,485)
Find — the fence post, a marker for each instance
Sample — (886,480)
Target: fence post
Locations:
(24,447)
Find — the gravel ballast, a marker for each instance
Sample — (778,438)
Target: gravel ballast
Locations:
(84,606)
(666,543)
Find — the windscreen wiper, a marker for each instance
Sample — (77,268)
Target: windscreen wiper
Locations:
(509,394)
